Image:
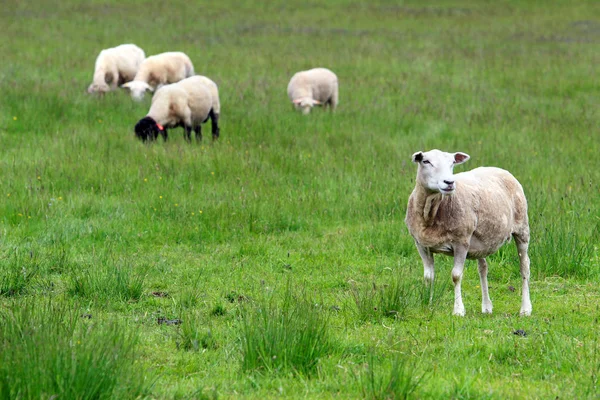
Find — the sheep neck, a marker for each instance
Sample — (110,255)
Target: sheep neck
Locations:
(428,203)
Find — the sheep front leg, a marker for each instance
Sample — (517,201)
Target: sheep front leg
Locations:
(429,270)
(460,255)
(486,303)
(164,134)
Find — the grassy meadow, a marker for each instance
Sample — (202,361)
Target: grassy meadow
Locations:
(275,262)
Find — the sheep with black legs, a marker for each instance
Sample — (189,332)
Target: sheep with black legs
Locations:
(317,86)
(187,103)
(116,66)
(467,215)
(158,70)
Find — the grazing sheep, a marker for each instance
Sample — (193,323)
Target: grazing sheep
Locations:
(467,215)
(116,66)
(157,70)
(318,86)
(187,103)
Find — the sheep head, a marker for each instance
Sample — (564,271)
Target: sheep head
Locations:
(305,104)
(147,129)
(435,171)
(137,89)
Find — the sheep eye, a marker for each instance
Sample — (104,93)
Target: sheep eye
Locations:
(426,162)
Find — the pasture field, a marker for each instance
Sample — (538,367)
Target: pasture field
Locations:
(275,262)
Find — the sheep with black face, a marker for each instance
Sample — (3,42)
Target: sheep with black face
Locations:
(187,103)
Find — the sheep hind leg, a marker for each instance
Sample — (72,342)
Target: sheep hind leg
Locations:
(333,102)
(198,131)
(214,120)
(188,133)
(486,303)
(522,241)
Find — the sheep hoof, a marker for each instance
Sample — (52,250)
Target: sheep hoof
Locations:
(460,312)
(486,310)
(525,312)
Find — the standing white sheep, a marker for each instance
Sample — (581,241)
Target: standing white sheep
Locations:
(116,66)
(317,86)
(187,103)
(160,69)
(467,215)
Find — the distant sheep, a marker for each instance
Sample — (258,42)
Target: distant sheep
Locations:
(467,215)
(318,86)
(116,66)
(157,70)
(187,103)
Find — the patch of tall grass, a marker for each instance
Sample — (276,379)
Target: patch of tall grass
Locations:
(564,249)
(290,335)
(394,378)
(18,268)
(194,334)
(48,351)
(395,298)
(107,281)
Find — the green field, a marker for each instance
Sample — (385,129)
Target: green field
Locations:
(276,262)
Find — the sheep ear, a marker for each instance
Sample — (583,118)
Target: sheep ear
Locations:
(417,157)
(316,102)
(297,101)
(460,158)
(126,85)
(150,88)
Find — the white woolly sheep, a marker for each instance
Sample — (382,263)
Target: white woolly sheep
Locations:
(467,215)
(116,66)
(157,70)
(317,86)
(187,103)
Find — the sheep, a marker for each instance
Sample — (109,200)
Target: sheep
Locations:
(158,70)
(187,103)
(317,86)
(116,66)
(467,215)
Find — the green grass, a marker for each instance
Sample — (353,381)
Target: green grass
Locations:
(397,381)
(96,223)
(289,337)
(50,351)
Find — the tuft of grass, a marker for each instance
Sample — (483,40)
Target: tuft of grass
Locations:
(189,297)
(107,282)
(391,300)
(48,351)
(390,379)
(288,337)
(432,295)
(218,310)
(193,334)
(17,270)
(564,249)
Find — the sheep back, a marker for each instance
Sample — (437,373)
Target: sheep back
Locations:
(187,102)
(165,68)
